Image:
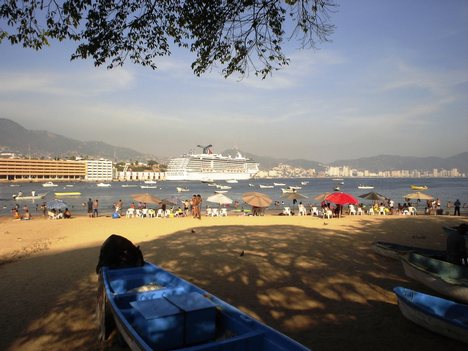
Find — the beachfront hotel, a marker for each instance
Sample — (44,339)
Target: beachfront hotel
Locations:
(38,170)
(32,169)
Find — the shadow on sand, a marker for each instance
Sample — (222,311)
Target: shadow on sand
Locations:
(325,288)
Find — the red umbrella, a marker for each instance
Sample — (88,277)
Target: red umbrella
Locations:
(341,199)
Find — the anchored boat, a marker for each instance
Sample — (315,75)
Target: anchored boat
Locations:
(156,310)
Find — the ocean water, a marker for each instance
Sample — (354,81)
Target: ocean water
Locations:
(446,189)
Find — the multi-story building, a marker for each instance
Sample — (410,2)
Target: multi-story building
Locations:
(29,169)
(98,170)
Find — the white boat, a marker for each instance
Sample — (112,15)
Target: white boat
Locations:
(250,184)
(232,181)
(148,186)
(150,182)
(305,182)
(279,184)
(365,186)
(104,185)
(223,187)
(49,184)
(288,190)
(221,191)
(69,186)
(295,187)
(182,189)
(129,185)
(266,186)
(212,184)
(207,165)
(33,196)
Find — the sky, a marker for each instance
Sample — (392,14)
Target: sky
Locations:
(393,79)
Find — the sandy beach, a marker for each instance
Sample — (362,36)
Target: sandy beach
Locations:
(318,281)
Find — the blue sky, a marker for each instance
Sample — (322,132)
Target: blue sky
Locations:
(392,80)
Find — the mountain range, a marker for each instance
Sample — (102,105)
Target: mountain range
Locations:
(17,139)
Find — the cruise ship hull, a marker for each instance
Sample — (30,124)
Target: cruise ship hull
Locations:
(203,176)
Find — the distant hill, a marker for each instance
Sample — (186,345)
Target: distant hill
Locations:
(34,143)
(393,162)
(15,138)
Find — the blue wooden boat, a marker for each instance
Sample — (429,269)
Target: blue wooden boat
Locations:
(434,313)
(446,278)
(394,250)
(156,310)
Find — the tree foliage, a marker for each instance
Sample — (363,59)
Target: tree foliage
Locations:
(241,36)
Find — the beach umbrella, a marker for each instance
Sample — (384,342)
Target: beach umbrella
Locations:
(167,202)
(56,204)
(220,199)
(293,196)
(341,199)
(321,197)
(256,199)
(146,198)
(373,196)
(418,196)
(175,200)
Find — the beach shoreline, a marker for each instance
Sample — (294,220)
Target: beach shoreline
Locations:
(317,281)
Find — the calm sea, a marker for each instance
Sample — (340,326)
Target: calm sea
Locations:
(446,189)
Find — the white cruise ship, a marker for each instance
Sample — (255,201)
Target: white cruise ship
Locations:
(207,165)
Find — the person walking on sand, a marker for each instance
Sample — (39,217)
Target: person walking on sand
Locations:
(96,208)
(90,207)
(199,205)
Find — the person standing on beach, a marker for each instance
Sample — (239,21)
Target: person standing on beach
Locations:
(90,207)
(199,204)
(96,208)
(456,211)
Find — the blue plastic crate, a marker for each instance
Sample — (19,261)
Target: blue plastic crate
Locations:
(200,317)
(160,323)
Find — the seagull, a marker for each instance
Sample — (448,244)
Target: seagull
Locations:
(242,253)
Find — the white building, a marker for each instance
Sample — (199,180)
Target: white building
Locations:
(98,170)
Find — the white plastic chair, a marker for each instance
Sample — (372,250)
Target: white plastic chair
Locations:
(314,212)
(327,213)
(160,213)
(214,212)
(382,210)
(138,213)
(302,210)
(130,213)
(144,212)
(412,211)
(287,211)
(370,211)
(167,214)
(209,211)
(151,213)
(352,210)
(360,212)
(223,212)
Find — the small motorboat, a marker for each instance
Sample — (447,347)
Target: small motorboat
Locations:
(394,250)
(446,278)
(182,189)
(154,309)
(33,196)
(436,314)
(419,187)
(150,182)
(104,185)
(232,181)
(360,186)
(266,186)
(49,185)
(279,184)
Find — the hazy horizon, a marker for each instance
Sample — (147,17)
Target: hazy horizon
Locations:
(393,80)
